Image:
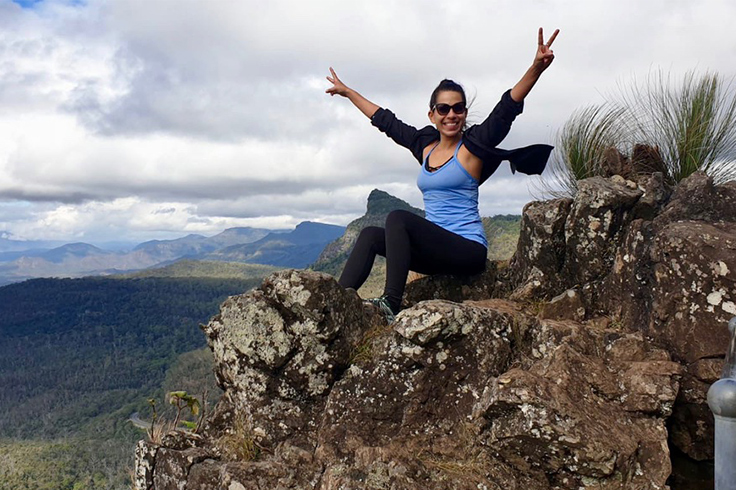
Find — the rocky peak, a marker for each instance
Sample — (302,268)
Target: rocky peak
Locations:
(381,203)
(578,365)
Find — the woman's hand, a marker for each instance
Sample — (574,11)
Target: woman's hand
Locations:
(338,87)
(542,60)
(545,55)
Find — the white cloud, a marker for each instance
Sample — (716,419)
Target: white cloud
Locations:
(131,117)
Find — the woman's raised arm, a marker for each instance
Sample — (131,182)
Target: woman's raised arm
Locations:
(542,60)
(338,88)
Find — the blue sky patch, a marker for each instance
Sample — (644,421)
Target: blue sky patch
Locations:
(29,4)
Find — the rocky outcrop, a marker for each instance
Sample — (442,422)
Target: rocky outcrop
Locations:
(380,203)
(578,365)
(664,267)
(540,254)
(452,395)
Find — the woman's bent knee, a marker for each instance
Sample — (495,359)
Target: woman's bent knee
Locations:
(399,217)
(373,237)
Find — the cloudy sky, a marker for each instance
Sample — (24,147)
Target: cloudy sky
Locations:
(141,119)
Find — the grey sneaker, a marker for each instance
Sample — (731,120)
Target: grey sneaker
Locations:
(385,308)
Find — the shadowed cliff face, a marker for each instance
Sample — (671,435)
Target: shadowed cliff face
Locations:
(574,366)
(333,257)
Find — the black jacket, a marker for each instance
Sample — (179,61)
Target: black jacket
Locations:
(480,139)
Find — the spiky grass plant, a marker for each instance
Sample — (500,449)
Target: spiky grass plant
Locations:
(693,123)
(581,145)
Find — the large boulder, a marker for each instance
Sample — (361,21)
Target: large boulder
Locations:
(451,395)
(410,405)
(693,288)
(280,348)
(673,278)
(534,270)
(582,410)
(595,225)
(697,198)
(593,360)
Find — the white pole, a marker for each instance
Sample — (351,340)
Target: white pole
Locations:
(722,402)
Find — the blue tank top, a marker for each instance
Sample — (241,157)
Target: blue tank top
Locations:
(451,198)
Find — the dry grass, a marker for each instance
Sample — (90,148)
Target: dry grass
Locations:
(365,350)
(467,462)
(534,307)
(239,443)
(159,429)
(414,276)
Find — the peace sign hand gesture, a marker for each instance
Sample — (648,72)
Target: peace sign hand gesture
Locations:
(542,60)
(545,55)
(338,87)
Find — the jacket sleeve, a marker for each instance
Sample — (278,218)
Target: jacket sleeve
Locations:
(415,140)
(481,138)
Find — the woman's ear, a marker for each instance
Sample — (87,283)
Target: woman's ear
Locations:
(430,115)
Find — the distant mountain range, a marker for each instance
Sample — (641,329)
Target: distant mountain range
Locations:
(7,245)
(322,247)
(297,248)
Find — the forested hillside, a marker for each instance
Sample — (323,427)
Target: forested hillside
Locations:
(502,232)
(79,356)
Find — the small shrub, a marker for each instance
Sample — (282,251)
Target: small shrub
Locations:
(580,147)
(180,400)
(364,351)
(693,123)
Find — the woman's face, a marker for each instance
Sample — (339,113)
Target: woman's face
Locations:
(452,123)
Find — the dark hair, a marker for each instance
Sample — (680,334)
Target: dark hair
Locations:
(446,85)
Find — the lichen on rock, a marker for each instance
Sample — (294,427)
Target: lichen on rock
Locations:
(577,366)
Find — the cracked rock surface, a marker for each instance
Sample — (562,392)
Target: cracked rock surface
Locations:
(577,365)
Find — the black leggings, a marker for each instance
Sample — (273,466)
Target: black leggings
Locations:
(410,242)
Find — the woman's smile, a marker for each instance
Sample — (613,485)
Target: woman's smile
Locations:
(451,123)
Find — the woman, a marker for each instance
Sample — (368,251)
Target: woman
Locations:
(455,161)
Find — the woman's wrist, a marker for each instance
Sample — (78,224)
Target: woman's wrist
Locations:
(537,68)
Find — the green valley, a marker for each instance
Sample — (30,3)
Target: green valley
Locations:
(81,355)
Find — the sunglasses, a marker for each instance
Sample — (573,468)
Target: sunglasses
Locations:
(444,109)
